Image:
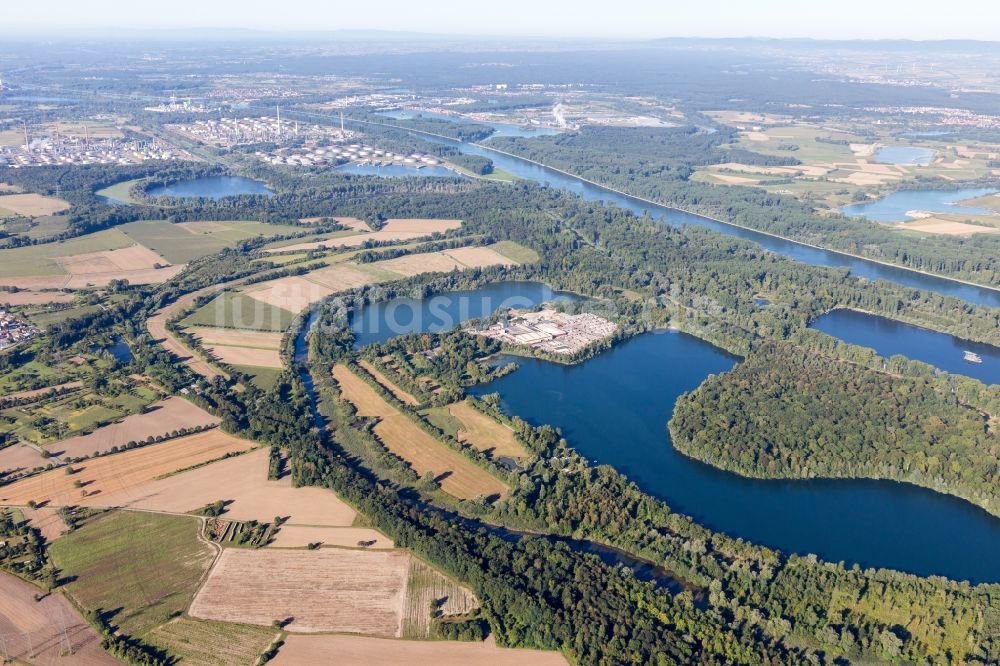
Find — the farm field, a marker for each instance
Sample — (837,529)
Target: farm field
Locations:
(300,536)
(33,631)
(181,242)
(365,651)
(240,347)
(42,259)
(234,309)
(457,475)
(28,297)
(329,589)
(425,586)
(938,224)
(420,225)
(387,383)
(243,481)
(342,240)
(102,477)
(160,418)
(296,293)
(200,643)
(20,458)
(485,433)
(31,204)
(147,565)
(46,520)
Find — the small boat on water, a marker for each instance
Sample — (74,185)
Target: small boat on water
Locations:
(972,357)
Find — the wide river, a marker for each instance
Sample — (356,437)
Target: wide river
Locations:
(818,257)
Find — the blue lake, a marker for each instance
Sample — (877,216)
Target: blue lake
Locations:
(894,207)
(378,322)
(904,155)
(397,171)
(614,408)
(211,187)
(888,337)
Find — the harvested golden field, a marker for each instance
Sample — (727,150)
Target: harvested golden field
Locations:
(292,293)
(240,347)
(260,358)
(342,277)
(364,651)
(933,225)
(330,589)
(456,474)
(101,279)
(385,382)
(208,335)
(424,226)
(484,433)
(135,258)
(445,261)
(242,481)
(27,297)
(300,536)
(356,240)
(40,631)
(32,205)
(121,473)
(425,586)
(200,643)
(160,418)
(20,458)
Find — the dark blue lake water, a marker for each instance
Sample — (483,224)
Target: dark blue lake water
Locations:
(211,187)
(888,337)
(894,207)
(378,322)
(614,408)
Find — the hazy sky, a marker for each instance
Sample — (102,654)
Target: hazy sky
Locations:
(840,19)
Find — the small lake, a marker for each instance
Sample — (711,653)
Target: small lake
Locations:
(904,155)
(119,350)
(211,187)
(888,337)
(378,322)
(894,208)
(614,409)
(398,171)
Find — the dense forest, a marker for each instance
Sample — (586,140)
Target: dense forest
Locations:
(789,412)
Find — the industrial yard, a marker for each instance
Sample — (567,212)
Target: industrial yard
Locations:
(57,149)
(550,331)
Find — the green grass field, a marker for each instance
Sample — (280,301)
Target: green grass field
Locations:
(179,244)
(232,309)
(440,418)
(40,259)
(44,319)
(264,378)
(140,568)
(516,252)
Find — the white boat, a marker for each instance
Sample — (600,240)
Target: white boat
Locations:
(972,357)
